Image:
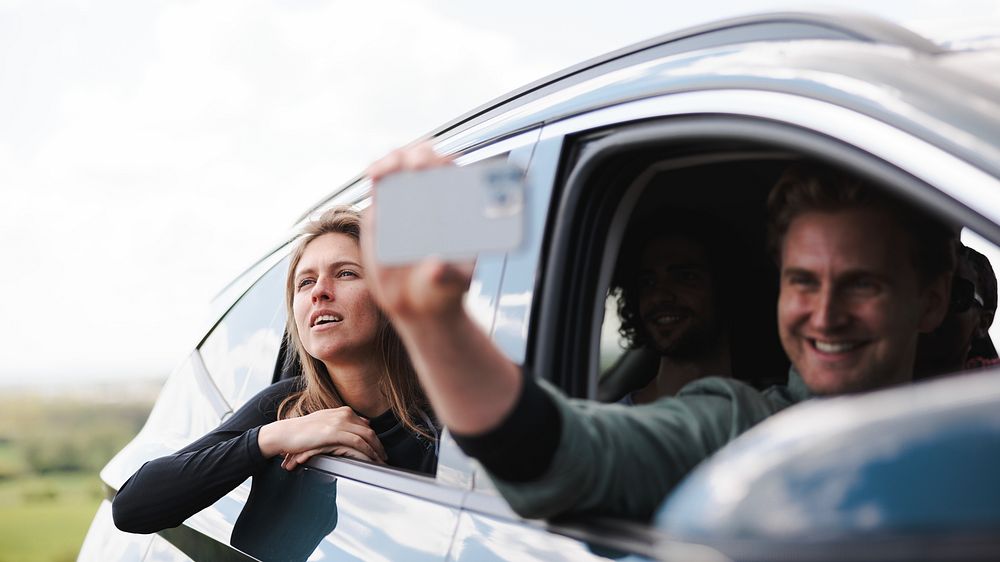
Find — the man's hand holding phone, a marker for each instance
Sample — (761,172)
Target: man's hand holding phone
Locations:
(470,383)
(426,288)
(432,218)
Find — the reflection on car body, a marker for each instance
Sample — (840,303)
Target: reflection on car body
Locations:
(287,514)
(697,119)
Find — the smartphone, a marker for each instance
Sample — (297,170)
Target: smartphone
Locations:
(451,212)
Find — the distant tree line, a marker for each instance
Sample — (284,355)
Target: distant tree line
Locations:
(43,436)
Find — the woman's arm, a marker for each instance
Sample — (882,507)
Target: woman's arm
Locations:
(166,491)
(336,431)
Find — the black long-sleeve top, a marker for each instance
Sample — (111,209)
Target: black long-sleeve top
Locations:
(166,491)
(522,446)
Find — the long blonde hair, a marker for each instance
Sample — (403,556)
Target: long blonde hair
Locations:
(397,380)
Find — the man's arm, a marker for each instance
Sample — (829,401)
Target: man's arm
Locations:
(548,455)
(611,459)
(468,380)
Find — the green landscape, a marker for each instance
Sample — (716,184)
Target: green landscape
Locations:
(52,447)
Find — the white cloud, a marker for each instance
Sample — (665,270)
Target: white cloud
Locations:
(153,152)
(149,151)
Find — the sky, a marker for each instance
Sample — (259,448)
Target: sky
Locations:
(149,151)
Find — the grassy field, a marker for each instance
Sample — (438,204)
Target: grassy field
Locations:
(51,450)
(44,518)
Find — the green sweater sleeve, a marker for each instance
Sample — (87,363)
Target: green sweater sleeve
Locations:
(622,461)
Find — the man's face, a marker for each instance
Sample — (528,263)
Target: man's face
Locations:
(676,303)
(851,304)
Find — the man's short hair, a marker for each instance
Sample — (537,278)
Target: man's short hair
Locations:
(804,188)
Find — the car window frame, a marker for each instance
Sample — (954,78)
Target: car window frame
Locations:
(761,117)
(282,255)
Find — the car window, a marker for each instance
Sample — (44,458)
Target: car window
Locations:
(621,369)
(695,198)
(241,350)
(726,189)
(612,344)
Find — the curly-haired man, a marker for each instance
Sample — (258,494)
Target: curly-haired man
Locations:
(673,289)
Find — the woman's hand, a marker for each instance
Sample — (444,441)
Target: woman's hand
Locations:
(337,431)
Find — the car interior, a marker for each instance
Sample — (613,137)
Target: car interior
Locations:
(729,189)
(729,185)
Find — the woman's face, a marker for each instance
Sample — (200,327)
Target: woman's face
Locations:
(335,315)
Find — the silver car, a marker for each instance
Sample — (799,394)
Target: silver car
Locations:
(700,119)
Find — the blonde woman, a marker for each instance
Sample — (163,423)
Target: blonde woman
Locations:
(358,395)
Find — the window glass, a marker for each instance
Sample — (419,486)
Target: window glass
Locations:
(241,351)
(621,369)
(184,410)
(612,343)
(513,302)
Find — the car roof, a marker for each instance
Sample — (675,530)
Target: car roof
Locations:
(768,26)
(858,61)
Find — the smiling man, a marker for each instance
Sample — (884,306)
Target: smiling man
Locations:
(861,276)
(673,291)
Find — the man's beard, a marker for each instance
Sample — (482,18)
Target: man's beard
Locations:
(699,341)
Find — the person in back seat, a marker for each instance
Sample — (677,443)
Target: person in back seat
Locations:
(694,300)
(962,341)
(674,290)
